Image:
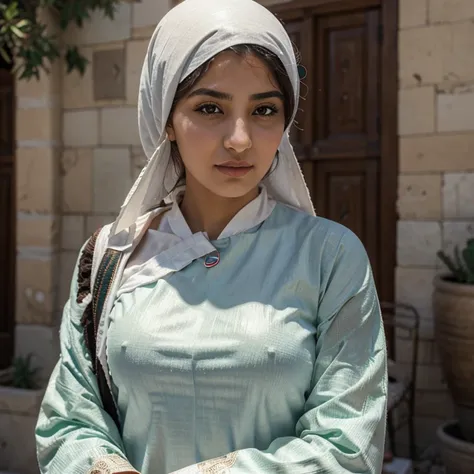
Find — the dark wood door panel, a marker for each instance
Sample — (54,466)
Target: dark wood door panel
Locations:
(347,192)
(300,32)
(347,82)
(348,147)
(7,218)
(7,261)
(296,35)
(6,115)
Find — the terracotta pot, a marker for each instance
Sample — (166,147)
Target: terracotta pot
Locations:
(457,454)
(453,305)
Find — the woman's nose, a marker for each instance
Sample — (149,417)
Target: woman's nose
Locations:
(238,138)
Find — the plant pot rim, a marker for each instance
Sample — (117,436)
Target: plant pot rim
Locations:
(441,283)
(454,443)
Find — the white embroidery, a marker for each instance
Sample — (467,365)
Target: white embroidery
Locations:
(111,464)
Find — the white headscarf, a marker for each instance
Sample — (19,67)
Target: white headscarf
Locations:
(188,36)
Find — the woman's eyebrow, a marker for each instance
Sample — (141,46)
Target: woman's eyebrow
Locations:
(224,96)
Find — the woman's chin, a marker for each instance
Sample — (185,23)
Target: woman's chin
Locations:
(234,189)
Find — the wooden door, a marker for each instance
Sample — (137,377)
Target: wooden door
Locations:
(346,133)
(7,218)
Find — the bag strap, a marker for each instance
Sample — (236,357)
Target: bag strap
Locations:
(91,317)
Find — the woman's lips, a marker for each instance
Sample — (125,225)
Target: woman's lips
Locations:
(235,170)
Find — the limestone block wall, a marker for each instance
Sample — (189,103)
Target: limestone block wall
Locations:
(101,154)
(436,166)
(38,139)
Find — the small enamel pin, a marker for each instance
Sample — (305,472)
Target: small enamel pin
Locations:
(212,259)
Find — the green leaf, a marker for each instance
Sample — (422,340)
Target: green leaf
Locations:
(5,56)
(16,31)
(27,36)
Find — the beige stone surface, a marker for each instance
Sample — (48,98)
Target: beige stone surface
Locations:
(135,55)
(77,90)
(423,53)
(456,233)
(67,263)
(419,196)
(76,172)
(436,54)
(415,286)
(119,126)
(143,33)
(36,174)
(101,29)
(460,68)
(80,128)
(111,178)
(38,124)
(458,196)
(36,230)
(20,401)
(450,10)
(149,12)
(453,152)
(17,443)
(455,112)
(109,73)
(35,290)
(412,13)
(42,342)
(48,85)
(72,232)
(417,243)
(416,111)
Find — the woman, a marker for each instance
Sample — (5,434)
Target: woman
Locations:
(241,334)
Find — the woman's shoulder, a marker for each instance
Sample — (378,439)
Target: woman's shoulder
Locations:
(296,220)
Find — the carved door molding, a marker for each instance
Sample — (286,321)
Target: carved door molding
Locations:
(346,135)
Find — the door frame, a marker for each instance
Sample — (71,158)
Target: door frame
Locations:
(7,351)
(388,113)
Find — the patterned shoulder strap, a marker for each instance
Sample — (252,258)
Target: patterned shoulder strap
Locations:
(91,317)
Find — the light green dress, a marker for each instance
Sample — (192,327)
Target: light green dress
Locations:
(275,359)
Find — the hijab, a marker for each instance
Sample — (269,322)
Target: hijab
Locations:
(189,35)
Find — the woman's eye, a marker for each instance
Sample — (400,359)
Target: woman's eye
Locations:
(266,111)
(209,109)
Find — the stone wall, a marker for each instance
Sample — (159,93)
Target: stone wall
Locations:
(38,139)
(102,154)
(436,165)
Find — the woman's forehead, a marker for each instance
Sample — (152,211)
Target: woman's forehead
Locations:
(232,69)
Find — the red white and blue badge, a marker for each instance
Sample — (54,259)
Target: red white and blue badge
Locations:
(212,259)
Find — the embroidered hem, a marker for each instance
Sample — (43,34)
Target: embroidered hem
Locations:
(220,465)
(111,464)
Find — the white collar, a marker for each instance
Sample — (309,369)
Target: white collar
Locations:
(253,214)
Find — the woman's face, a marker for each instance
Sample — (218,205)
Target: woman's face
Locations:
(228,127)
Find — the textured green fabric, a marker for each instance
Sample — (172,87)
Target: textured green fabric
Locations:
(277,353)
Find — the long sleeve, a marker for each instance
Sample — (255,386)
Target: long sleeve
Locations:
(343,425)
(73,431)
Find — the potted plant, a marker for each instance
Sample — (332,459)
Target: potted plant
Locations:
(453,305)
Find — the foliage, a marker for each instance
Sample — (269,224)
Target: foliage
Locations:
(24,375)
(462,265)
(25,39)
